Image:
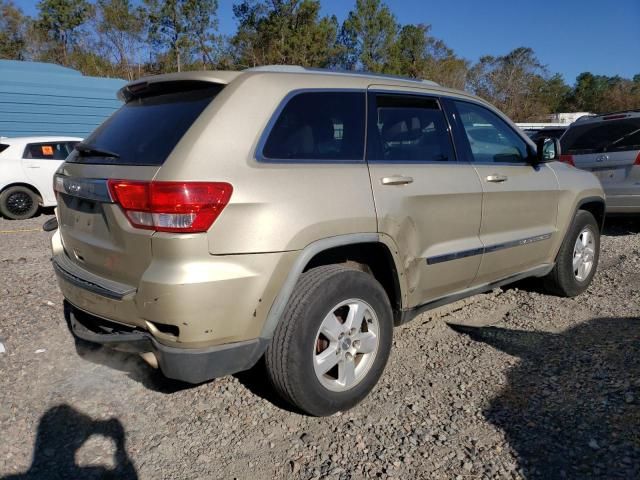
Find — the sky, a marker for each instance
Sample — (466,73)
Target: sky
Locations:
(568,36)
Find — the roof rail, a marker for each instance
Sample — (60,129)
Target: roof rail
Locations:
(325,71)
(619,111)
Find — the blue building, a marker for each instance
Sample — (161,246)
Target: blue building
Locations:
(46,99)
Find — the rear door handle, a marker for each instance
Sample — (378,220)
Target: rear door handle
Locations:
(495,178)
(396,180)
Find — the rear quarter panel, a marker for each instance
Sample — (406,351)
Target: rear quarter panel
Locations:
(274,206)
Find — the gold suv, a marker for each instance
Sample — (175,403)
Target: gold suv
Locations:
(299,214)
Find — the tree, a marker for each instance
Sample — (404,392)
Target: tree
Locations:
(120,27)
(178,29)
(420,55)
(622,94)
(13,26)
(284,32)
(514,83)
(588,91)
(57,27)
(368,36)
(555,93)
(410,50)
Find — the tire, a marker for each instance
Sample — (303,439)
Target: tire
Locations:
(564,279)
(298,344)
(19,203)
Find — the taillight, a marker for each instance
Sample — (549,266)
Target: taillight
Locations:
(637,162)
(185,207)
(567,159)
(615,117)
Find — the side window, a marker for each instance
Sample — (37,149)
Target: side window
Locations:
(46,151)
(321,126)
(409,128)
(490,138)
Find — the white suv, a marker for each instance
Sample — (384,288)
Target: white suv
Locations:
(27,166)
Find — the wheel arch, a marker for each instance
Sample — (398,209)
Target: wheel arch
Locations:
(596,206)
(22,184)
(374,252)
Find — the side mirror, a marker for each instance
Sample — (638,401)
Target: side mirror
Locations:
(547,149)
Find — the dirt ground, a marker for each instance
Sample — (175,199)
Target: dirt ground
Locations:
(511,384)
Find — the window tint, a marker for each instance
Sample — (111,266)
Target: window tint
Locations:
(609,135)
(490,138)
(409,129)
(319,126)
(147,128)
(3,147)
(47,151)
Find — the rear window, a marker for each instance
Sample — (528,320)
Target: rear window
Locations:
(608,135)
(147,128)
(320,126)
(48,150)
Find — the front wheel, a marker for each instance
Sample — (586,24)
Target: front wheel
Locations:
(577,259)
(332,345)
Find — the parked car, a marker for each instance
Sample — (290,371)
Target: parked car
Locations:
(27,165)
(299,214)
(609,147)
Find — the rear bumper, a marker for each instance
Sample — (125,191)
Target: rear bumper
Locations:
(186,300)
(187,365)
(623,203)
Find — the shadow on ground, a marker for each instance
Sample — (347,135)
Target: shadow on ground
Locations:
(571,408)
(617,225)
(256,380)
(61,432)
(131,364)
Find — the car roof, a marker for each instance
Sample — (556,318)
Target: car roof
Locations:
(47,138)
(289,73)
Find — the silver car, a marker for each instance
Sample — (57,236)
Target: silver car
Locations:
(609,146)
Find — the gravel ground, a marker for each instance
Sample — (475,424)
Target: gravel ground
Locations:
(512,384)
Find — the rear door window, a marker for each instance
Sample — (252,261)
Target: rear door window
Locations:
(47,151)
(146,129)
(409,128)
(319,126)
(605,136)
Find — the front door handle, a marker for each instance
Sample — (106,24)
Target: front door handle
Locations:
(396,180)
(495,178)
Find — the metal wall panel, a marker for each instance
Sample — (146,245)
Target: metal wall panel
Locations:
(46,99)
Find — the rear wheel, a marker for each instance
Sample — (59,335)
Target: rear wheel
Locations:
(333,342)
(19,203)
(577,259)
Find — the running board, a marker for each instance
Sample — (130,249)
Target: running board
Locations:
(408,315)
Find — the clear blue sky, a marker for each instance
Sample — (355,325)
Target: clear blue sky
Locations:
(569,36)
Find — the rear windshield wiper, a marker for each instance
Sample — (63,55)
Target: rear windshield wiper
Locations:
(88,151)
(615,142)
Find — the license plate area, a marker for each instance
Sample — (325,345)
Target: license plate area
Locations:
(610,175)
(79,213)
